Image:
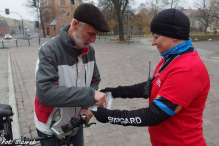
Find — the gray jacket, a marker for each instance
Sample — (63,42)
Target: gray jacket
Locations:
(66,77)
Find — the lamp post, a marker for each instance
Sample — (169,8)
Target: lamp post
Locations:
(128,20)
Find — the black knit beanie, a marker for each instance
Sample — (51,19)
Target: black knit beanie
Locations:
(171,23)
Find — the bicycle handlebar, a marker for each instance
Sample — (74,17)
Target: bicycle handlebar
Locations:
(59,132)
(60,135)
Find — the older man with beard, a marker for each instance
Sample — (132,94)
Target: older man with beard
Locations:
(67,76)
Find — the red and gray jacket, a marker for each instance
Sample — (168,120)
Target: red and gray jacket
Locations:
(66,79)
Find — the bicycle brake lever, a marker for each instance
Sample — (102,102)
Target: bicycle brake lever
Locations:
(88,125)
(84,119)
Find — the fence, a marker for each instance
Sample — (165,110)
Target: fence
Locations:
(36,41)
(23,42)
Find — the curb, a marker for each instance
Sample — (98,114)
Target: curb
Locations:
(12,101)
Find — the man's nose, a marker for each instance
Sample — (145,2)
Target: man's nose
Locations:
(93,39)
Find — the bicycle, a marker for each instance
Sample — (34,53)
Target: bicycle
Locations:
(6,134)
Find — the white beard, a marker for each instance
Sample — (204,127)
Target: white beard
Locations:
(79,40)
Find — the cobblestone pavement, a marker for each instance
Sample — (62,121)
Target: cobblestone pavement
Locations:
(119,64)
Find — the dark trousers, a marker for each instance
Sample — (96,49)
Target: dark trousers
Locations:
(77,139)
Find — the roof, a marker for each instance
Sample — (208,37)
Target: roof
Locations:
(2,22)
(53,22)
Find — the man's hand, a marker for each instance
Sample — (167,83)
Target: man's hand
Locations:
(100,99)
(86,112)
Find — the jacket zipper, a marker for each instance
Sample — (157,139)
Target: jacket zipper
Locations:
(76,84)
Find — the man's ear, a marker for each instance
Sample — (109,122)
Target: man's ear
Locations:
(75,24)
(175,40)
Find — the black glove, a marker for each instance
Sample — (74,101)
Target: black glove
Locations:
(115,91)
(101,114)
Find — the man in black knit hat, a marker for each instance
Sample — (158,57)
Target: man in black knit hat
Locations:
(178,88)
(67,76)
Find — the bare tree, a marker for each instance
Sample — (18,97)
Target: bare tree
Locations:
(114,10)
(206,12)
(173,4)
(215,12)
(46,12)
(154,6)
(107,8)
(142,19)
(120,7)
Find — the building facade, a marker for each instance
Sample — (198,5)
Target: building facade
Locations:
(195,24)
(55,14)
(15,26)
(4,28)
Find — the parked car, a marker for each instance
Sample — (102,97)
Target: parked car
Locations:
(8,36)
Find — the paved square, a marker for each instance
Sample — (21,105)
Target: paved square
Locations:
(119,64)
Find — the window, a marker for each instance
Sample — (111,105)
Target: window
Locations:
(46,3)
(54,28)
(47,17)
(62,2)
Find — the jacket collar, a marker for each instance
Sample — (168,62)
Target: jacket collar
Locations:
(177,49)
(70,47)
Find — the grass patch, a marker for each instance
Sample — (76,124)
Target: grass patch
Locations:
(24,38)
(204,37)
(124,42)
(114,39)
(121,42)
(4,48)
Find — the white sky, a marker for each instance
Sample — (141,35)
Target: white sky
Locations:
(18,7)
(15,6)
(137,2)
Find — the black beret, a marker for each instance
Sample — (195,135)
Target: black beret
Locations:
(171,23)
(91,15)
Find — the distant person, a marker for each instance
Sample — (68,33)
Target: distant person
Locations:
(180,86)
(67,75)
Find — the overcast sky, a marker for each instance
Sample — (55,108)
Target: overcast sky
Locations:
(15,6)
(18,7)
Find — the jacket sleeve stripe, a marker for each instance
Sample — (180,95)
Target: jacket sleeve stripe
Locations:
(164,107)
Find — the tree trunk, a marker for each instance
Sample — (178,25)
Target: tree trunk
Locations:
(116,30)
(206,26)
(42,24)
(121,33)
(119,11)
